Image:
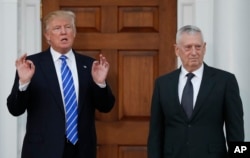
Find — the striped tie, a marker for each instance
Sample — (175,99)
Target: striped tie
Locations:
(70,102)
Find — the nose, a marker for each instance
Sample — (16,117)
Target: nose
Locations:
(63,30)
(193,51)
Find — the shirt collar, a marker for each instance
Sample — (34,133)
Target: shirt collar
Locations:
(56,55)
(198,73)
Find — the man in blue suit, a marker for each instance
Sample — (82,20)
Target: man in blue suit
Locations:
(38,90)
(198,133)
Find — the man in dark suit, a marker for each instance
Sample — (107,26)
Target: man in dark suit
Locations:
(39,90)
(177,131)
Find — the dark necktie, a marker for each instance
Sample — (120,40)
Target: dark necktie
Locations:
(70,102)
(187,95)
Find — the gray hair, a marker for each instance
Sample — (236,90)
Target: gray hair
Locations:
(59,13)
(189,29)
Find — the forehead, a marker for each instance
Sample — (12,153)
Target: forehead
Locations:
(191,38)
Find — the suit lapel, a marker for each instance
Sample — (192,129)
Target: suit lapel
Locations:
(175,85)
(49,71)
(175,94)
(83,71)
(205,88)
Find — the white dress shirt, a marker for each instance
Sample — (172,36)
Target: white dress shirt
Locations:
(71,64)
(196,81)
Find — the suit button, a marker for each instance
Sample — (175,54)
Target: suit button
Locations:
(189,126)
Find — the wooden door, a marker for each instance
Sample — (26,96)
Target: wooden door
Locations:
(137,37)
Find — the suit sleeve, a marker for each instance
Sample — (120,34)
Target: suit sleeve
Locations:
(156,136)
(17,101)
(233,111)
(103,98)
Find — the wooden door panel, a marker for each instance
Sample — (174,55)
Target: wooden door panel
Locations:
(118,41)
(138,19)
(137,37)
(132,152)
(126,132)
(87,18)
(136,78)
(75,3)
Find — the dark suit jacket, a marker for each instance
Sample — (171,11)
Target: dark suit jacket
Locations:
(173,135)
(45,130)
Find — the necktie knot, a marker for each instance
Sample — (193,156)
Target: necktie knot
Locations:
(63,57)
(190,76)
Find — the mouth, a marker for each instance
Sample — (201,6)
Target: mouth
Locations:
(193,59)
(64,39)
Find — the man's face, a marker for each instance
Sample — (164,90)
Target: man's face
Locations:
(60,34)
(191,50)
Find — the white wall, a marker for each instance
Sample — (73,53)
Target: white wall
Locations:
(30,43)
(231,38)
(19,32)
(225,24)
(8,49)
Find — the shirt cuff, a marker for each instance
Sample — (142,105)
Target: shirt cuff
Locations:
(23,87)
(101,85)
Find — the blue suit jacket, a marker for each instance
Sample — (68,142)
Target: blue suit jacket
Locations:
(173,135)
(45,130)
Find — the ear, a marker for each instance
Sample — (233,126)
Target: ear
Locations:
(204,47)
(176,48)
(47,36)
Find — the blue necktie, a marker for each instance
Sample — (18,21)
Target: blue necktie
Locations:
(187,96)
(70,102)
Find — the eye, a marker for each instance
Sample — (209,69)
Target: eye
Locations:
(68,27)
(57,28)
(187,48)
(198,47)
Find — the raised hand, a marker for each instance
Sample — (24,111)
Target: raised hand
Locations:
(25,69)
(100,70)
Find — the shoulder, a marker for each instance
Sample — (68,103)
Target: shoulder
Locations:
(39,55)
(219,75)
(83,58)
(172,75)
(217,71)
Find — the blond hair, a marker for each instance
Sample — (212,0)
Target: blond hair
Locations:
(56,14)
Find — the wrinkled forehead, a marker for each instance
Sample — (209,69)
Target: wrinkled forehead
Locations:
(190,38)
